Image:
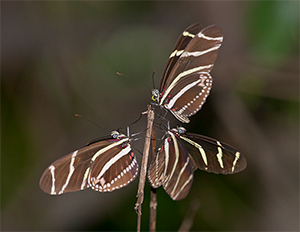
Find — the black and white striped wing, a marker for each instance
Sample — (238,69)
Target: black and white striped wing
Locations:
(183,40)
(184,97)
(172,168)
(104,166)
(182,153)
(188,95)
(212,155)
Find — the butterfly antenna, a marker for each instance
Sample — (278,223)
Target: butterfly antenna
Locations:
(136,120)
(153,82)
(78,115)
(135,134)
(121,74)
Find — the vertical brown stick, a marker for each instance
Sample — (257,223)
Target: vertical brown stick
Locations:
(153,197)
(190,216)
(140,194)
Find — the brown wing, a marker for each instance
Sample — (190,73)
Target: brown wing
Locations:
(67,173)
(104,166)
(212,155)
(195,62)
(113,169)
(199,55)
(172,168)
(188,95)
(180,45)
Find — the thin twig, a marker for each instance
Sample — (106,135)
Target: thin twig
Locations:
(153,196)
(140,194)
(189,218)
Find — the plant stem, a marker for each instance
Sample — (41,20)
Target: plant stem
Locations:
(140,194)
(190,216)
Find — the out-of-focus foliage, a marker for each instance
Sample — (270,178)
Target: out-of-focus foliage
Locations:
(60,58)
(273,31)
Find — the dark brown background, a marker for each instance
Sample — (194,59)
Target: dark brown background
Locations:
(61,58)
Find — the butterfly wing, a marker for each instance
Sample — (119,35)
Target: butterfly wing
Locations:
(212,155)
(188,96)
(199,55)
(195,62)
(77,170)
(172,168)
(183,40)
(157,169)
(113,169)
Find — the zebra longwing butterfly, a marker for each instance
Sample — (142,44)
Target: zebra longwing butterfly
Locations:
(182,153)
(186,81)
(103,165)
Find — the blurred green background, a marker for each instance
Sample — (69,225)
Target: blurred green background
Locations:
(59,58)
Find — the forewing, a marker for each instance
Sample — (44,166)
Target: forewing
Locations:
(199,55)
(213,156)
(179,47)
(67,174)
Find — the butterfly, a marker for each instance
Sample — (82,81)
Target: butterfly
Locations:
(103,165)
(186,81)
(182,153)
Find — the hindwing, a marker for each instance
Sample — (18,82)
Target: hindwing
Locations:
(182,153)
(172,168)
(212,155)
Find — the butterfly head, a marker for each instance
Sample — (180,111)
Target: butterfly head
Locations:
(118,136)
(115,134)
(155,95)
(179,130)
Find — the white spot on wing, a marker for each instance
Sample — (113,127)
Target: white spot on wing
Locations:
(52,168)
(186,33)
(176,53)
(220,155)
(102,182)
(85,178)
(237,156)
